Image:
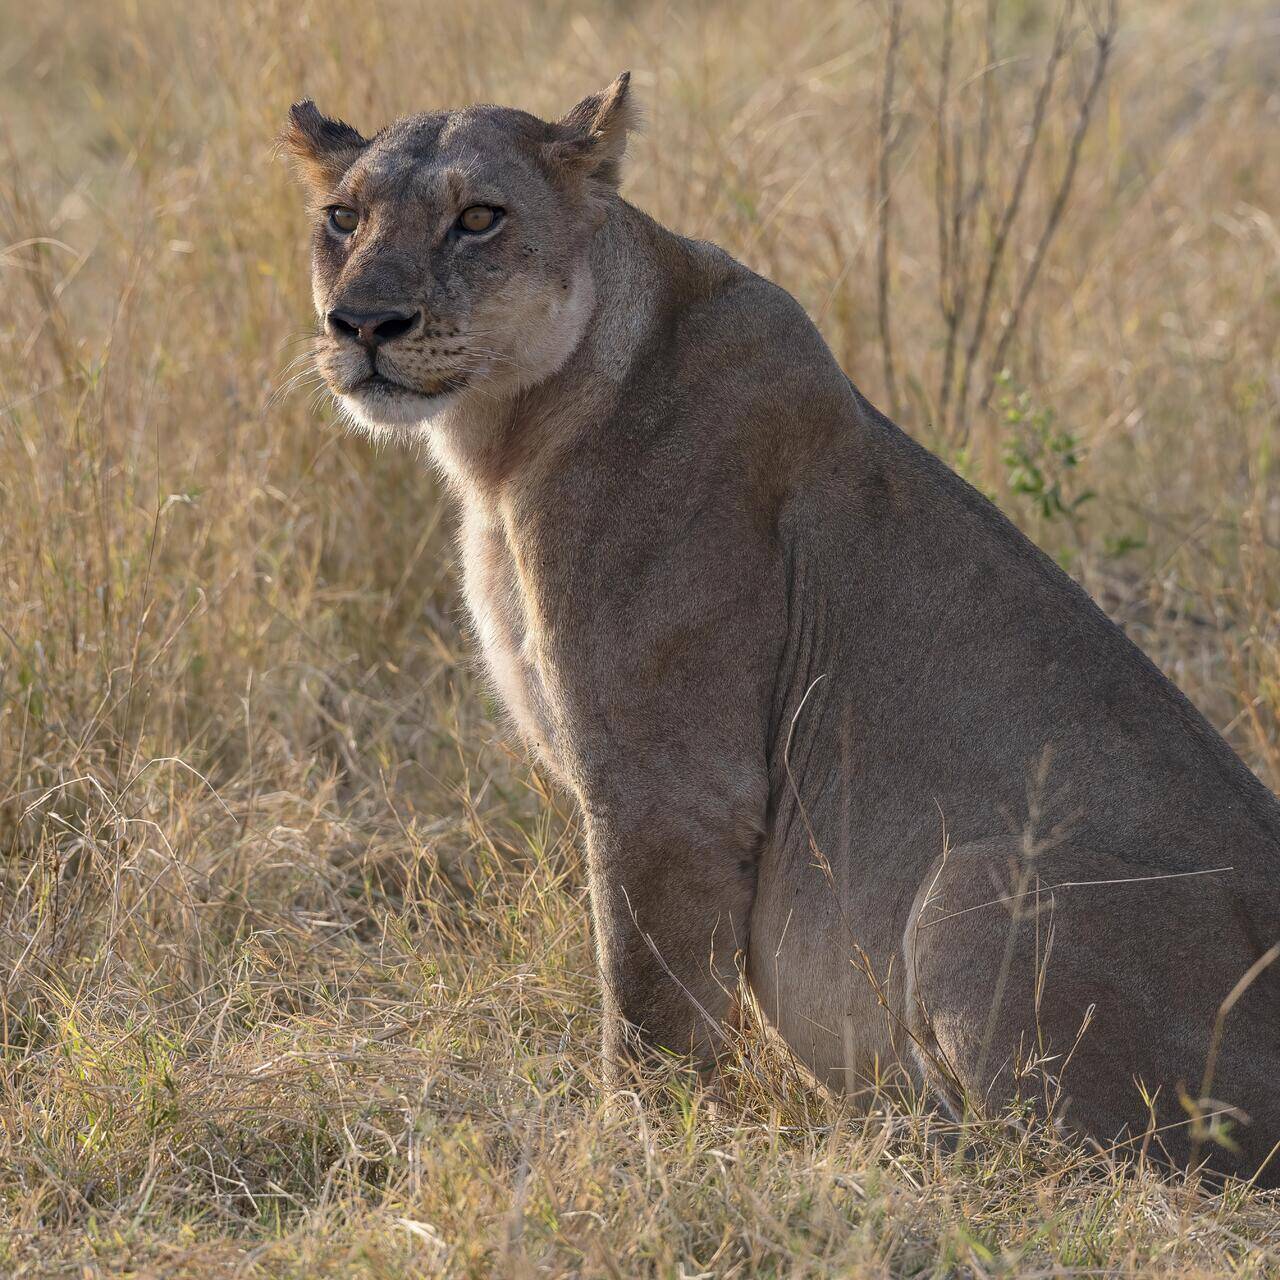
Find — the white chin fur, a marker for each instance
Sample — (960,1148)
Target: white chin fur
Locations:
(399,414)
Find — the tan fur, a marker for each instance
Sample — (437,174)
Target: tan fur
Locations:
(827,714)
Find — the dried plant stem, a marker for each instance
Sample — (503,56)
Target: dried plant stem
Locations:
(1104,43)
(1010,212)
(962,206)
(884,203)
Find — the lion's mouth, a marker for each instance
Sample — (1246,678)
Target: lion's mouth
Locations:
(380,384)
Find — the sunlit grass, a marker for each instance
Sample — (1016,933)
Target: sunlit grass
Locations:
(295,974)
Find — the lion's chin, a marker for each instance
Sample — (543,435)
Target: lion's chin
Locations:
(379,409)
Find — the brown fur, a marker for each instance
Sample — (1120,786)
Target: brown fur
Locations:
(828,715)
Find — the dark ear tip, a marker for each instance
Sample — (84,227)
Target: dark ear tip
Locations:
(620,90)
(303,110)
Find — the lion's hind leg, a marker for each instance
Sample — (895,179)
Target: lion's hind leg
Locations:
(1088,990)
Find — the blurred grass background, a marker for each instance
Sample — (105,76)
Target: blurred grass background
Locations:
(295,976)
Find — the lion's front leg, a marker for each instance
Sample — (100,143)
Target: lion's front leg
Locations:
(671,897)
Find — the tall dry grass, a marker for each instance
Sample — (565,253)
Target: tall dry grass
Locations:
(294,969)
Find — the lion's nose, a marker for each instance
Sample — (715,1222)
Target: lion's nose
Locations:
(370,328)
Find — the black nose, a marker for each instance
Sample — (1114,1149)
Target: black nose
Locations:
(370,328)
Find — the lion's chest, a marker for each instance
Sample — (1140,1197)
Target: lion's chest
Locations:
(515,654)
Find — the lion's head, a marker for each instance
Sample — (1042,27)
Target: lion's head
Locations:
(449,256)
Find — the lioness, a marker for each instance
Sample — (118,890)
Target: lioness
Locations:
(829,716)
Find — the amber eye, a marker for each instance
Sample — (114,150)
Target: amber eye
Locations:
(343,220)
(480,217)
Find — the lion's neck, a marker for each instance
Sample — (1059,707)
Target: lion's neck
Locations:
(484,441)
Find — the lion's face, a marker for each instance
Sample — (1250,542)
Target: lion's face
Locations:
(449,256)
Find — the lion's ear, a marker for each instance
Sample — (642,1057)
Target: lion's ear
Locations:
(593,136)
(322,149)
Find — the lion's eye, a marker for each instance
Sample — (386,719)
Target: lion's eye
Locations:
(343,220)
(479,217)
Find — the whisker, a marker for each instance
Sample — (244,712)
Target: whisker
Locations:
(304,378)
(305,335)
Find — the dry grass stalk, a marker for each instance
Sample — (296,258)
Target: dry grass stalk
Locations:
(295,977)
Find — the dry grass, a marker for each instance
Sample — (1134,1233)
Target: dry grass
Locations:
(295,977)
